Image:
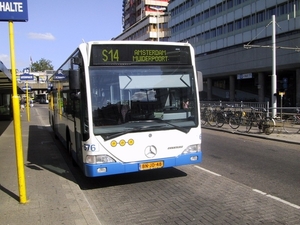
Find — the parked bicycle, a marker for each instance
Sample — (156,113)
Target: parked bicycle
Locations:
(237,119)
(292,123)
(211,116)
(264,123)
(205,112)
(224,115)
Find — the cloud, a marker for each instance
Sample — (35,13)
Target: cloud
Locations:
(5,59)
(45,36)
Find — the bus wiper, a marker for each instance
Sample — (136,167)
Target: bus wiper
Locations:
(107,137)
(182,129)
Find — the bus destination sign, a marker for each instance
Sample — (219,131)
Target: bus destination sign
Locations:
(139,54)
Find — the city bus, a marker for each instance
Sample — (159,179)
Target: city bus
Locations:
(128,106)
(42,98)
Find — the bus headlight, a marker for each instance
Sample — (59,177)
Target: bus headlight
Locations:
(192,149)
(98,159)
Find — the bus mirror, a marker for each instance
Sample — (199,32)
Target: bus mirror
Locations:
(74,80)
(200,81)
(77,61)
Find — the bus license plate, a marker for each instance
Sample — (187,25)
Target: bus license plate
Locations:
(151,165)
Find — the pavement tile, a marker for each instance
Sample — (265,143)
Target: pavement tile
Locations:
(53,197)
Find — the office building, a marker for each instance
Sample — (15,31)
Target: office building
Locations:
(220,30)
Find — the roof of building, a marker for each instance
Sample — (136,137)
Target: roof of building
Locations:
(6,80)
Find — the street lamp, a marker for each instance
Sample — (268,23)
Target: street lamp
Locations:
(274,76)
(158,9)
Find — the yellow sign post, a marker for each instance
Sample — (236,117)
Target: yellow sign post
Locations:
(281,93)
(27,103)
(17,119)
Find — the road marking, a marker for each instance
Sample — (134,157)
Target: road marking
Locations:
(277,199)
(257,191)
(260,192)
(216,174)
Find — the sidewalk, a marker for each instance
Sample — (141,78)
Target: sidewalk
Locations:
(277,135)
(53,197)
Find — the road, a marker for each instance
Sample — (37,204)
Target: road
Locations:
(269,166)
(227,188)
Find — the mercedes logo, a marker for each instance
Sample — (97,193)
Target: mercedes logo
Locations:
(150,151)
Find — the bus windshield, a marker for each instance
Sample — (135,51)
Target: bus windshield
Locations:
(137,98)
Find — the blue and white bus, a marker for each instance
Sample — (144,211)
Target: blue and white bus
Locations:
(128,106)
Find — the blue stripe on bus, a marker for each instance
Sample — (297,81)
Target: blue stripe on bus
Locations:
(119,168)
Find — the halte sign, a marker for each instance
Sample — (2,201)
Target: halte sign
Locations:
(26,75)
(12,10)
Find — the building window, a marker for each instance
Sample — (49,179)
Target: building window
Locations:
(260,17)
(281,9)
(206,35)
(237,2)
(213,33)
(219,8)
(206,14)
(219,30)
(238,24)
(229,4)
(246,21)
(230,27)
(192,20)
(199,17)
(212,11)
(271,12)
(253,19)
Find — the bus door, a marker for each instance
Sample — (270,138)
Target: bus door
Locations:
(77,130)
(80,118)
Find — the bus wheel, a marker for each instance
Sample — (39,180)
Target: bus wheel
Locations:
(69,145)
(69,149)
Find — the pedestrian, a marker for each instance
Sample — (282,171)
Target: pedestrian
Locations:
(22,104)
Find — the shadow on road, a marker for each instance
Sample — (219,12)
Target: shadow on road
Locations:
(86,183)
(43,153)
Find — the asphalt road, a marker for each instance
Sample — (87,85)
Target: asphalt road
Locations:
(270,166)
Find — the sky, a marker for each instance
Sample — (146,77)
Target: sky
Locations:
(55,28)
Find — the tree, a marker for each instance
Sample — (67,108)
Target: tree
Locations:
(41,65)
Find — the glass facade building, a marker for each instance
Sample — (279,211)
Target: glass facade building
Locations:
(219,31)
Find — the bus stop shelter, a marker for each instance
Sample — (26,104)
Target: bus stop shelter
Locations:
(6,93)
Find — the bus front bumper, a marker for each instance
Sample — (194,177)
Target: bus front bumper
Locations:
(97,170)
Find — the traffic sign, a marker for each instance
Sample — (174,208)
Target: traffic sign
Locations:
(59,77)
(12,10)
(24,88)
(26,77)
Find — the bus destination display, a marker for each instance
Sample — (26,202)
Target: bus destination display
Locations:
(139,54)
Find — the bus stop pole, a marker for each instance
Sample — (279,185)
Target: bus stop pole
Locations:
(27,103)
(17,120)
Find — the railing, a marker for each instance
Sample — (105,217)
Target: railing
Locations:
(287,119)
(236,105)
(281,111)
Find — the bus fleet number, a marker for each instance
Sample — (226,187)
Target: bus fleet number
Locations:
(110,55)
(88,147)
